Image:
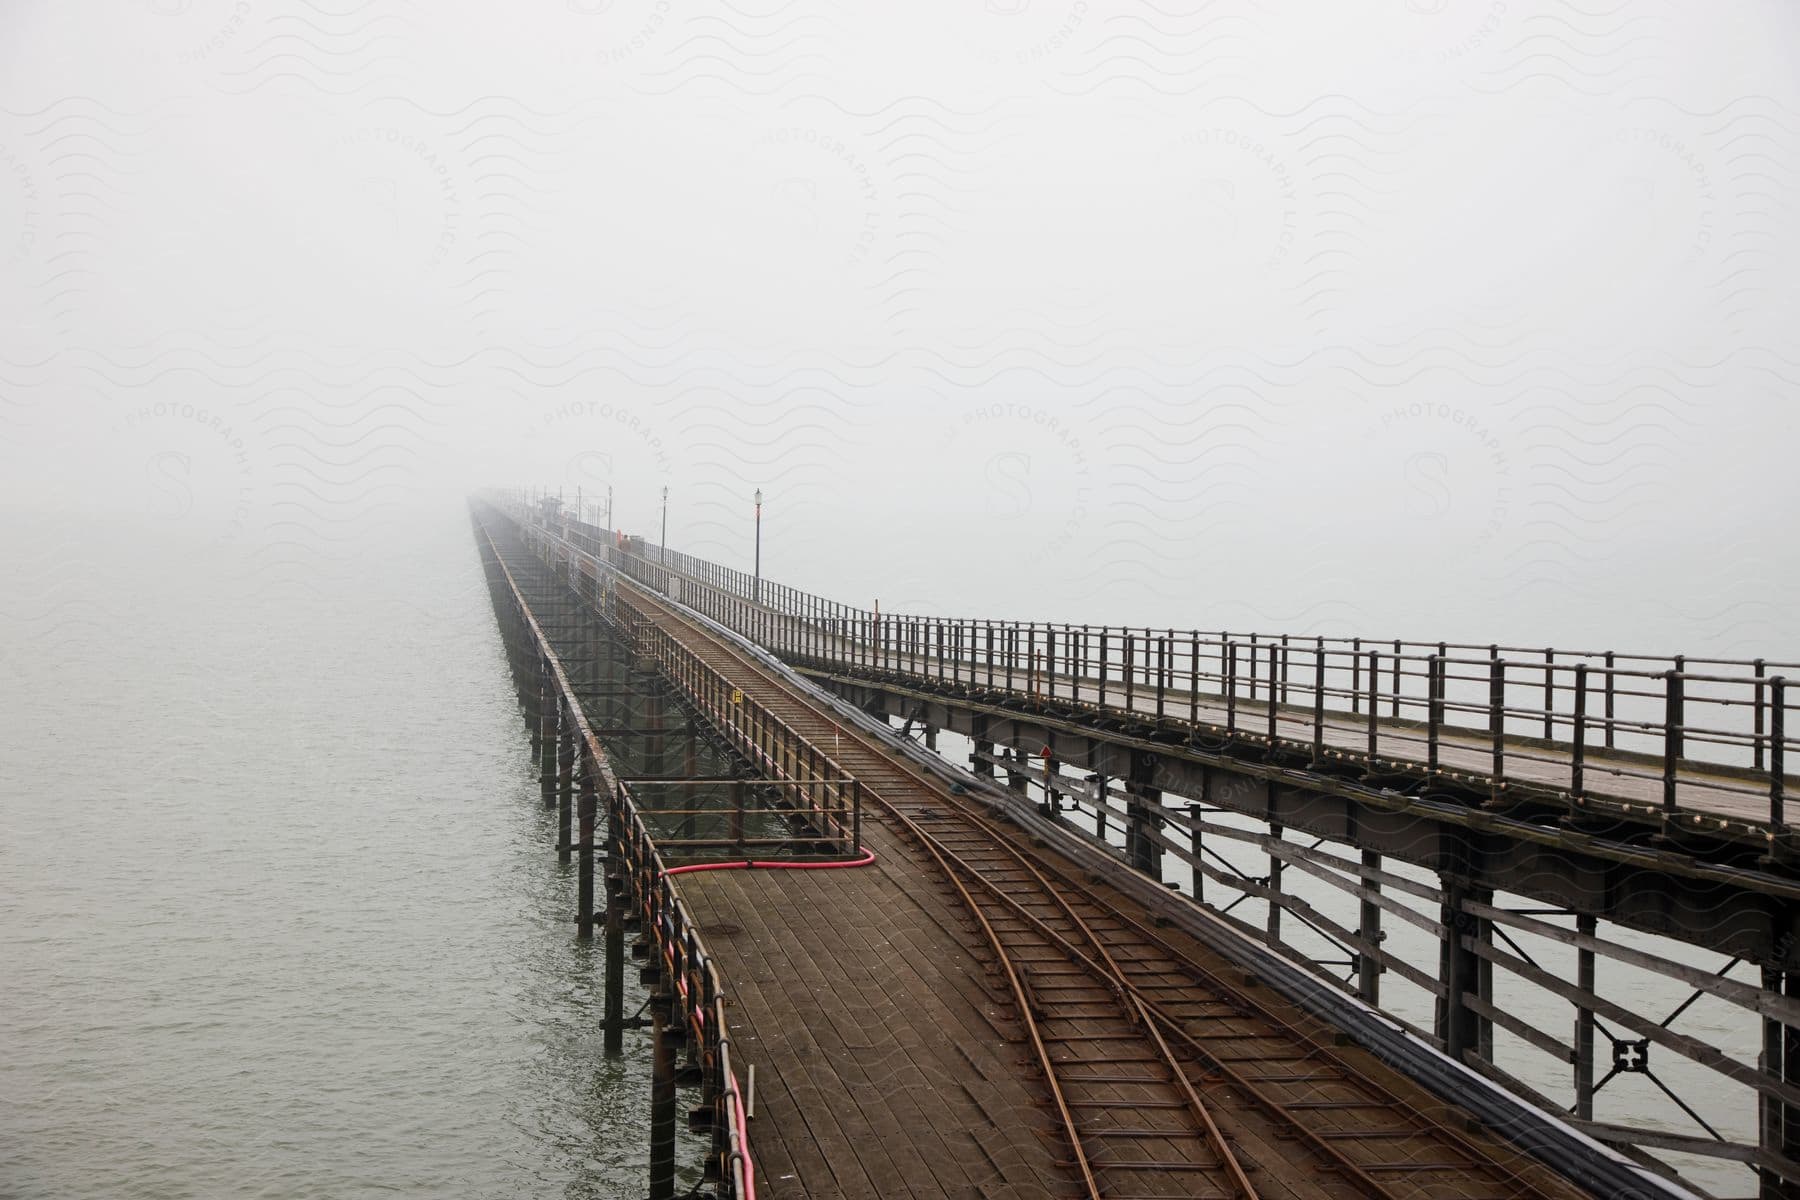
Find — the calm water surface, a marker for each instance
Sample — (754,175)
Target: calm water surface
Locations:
(277,913)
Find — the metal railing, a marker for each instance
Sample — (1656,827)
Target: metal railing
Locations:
(699,992)
(1682,734)
(824,796)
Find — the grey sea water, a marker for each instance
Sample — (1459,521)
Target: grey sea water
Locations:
(278,915)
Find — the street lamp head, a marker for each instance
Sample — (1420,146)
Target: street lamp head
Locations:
(758,496)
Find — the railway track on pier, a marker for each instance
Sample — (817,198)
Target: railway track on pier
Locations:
(1166,1077)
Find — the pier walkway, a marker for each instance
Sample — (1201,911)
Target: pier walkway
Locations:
(982,1010)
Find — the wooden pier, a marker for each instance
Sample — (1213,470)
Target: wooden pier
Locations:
(944,990)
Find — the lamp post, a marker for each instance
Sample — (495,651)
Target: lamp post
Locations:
(609,523)
(662,550)
(756,594)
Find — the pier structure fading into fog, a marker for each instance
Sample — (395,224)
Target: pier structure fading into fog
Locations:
(1039,976)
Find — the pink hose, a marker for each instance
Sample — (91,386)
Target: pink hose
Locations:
(774,865)
(744,1141)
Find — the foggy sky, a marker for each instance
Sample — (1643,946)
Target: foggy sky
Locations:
(1421,317)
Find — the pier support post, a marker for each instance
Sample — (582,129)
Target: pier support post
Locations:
(664,1040)
(613,1018)
(531,695)
(689,798)
(549,722)
(1275,865)
(1015,778)
(656,764)
(565,790)
(584,878)
(1198,881)
(980,761)
(1584,1023)
(1142,816)
(1368,967)
(1789,1146)
(613,1013)
(1462,1028)
(1779,1127)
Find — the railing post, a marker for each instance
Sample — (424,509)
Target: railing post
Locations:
(1276,681)
(1434,709)
(1162,674)
(1395,713)
(1231,687)
(1578,756)
(1318,740)
(1355,675)
(1611,691)
(1672,712)
(1757,745)
(1251,672)
(1130,671)
(1102,666)
(1497,713)
(1284,668)
(1549,694)
(1374,703)
(856,809)
(1194,679)
(1777,753)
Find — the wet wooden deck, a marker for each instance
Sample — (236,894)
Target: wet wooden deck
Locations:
(885,1064)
